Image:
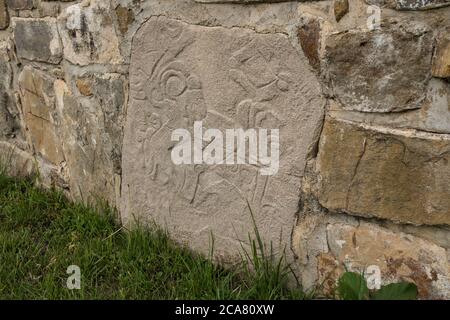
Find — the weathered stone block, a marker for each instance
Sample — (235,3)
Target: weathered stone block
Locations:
(227,78)
(441,59)
(380,71)
(433,116)
(37,39)
(420,4)
(309,38)
(243,1)
(38,107)
(409,5)
(392,174)
(91,131)
(341,8)
(21,4)
(4,17)
(84,86)
(396,256)
(330,244)
(125,17)
(88,34)
(8,123)
(16,162)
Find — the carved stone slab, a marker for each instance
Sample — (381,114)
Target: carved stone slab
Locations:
(227,78)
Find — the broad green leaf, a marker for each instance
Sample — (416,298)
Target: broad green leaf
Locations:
(352,286)
(397,291)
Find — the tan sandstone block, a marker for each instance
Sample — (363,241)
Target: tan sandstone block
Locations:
(341,8)
(441,60)
(401,175)
(4,17)
(37,98)
(397,256)
(15,161)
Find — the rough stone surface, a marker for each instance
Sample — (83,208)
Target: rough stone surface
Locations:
(409,5)
(399,256)
(37,39)
(420,4)
(333,244)
(433,116)
(309,38)
(243,1)
(380,71)
(8,112)
(38,108)
(237,82)
(125,17)
(90,130)
(441,60)
(16,162)
(84,86)
(4,17)
(341,8)
(88,34)
(91,91)
(390,174)
(20,4)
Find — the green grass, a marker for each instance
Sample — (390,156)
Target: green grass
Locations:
(42,233)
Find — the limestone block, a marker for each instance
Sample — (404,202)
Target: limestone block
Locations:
(400,175)
(15,162)
(8,112)
(91,132)
(380,71)
(227,78)
(4,17)
(37,39)
(125,17)
(441,59)
(310,40)
(21,4)
(409,5)
(37,96)
(397,256)
(420,4)
(244,1)
(341,8)
(433,116)
(88,34)
(334,243)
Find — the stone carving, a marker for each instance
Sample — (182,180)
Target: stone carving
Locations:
(182,73)
(85,82)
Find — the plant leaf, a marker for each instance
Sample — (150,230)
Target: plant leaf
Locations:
(397,291)
(352,286)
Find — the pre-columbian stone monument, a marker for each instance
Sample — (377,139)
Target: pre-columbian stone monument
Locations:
(358,90)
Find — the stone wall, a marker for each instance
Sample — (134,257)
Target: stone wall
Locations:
(92,90)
